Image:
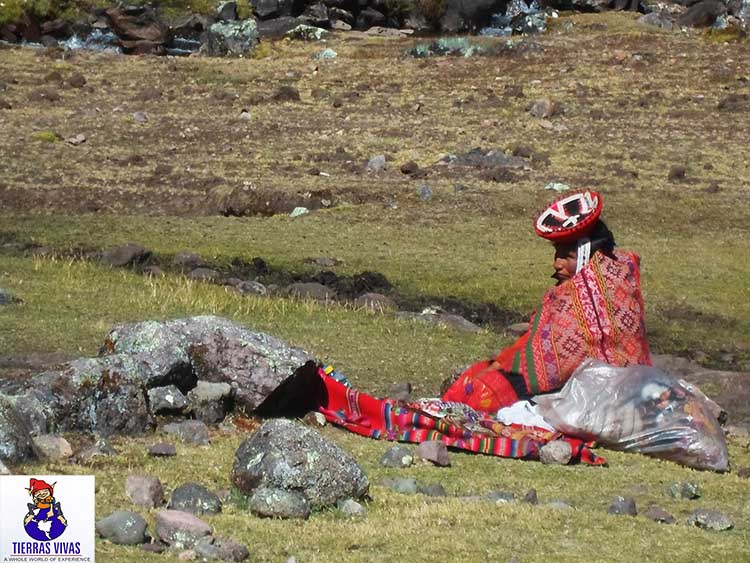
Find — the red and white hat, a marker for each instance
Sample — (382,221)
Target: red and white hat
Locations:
(570,217)
(36,485)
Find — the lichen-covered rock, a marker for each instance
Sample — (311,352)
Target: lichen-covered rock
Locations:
(210,401)
(180,529)
(144,490)
(218,350)
(16,445)
(53,447)
(279,503)
(166,399)
(194,498)
(223,549)
(234,38)
(123,528)
(286,455)
(189,431)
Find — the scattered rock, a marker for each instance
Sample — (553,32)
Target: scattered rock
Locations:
(286,455)
(76,139)
(222,549)
(623,507)
(402,485)
(298,212)
(557,187)
(203,275)
(307,33)
(659,20)
(187,555)
(6,298)
(501,497)
(544,108)
(180,529)
(144,490)
(432,490)
(314,419)
(279,503)
(710,520)
(123,528)
(53,447)
(518,329)
(162,449)
(44,95)
(156,547)
(327,54)
(187,261)
(226,11)
(126,255)
(659,515)
(189,431)
(410,168)
(311,290)
(235,38)
(397,456)
(351,508)
(556,452)
(194,498)
(438,317)
(400,391)
(168,399)
(210,402)
(677,173)
(251,288)
(376,164)
(743,472)
(5,104)
(559,504)
(100,448)
(140,117)
(424,192)
(286,94)
(77,80)
(684,490)
(531,497)
(376,302)
(434,451)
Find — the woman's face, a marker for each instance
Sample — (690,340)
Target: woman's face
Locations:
(564,262)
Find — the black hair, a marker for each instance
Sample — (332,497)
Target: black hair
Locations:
(601,238)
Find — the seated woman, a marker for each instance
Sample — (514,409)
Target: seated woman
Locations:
(594,311)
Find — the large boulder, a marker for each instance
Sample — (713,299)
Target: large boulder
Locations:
(16,445)
(233,38)
(138,29)
(287,456)
(253,363)
(468,15)
(267,9)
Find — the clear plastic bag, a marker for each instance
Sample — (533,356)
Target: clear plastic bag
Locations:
(638,409)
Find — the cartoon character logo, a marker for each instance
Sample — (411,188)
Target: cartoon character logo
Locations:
(45,520)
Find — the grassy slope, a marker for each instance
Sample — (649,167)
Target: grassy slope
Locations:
(475,245)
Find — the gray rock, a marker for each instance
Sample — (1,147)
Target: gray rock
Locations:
(226,11)
(518,329)
(203,275)
(16,445)
(210,402)
(286,455)
(327,54)
(140,116)
(99,449)
(684,490)
(153,272)
(501,497)
(432,490)
(424,192)
(125,255)
(556,452)
(398,457)
(659,515)
(279,503)
(162,449)
(402,485)
(351,508)
(438,317)
(188,261)
(623,507)
(156,547)
(543,108)
(123,528)
(166,399)
(375,301)
(710,520)
(434,451)
(251,288)
(194,498)
(180,529)
(214,349)
(222,549)
(189,431)
(53,447)
(307,33)
(235,38)
(5,297)
(311,290)
(659,20)
(266,9)
(144,490)
(559,504)
(531,497)
(376,163)
(401,391)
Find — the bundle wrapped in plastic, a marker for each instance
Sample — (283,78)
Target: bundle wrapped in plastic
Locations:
(638,409)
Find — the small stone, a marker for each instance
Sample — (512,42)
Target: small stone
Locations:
(325,55)
(100,448)
(557,187)
(5,297)
(187,555)
(299,212)
(125,255)
(432,490)
(123,528)
(684,490)
(314,419)
(209,401)
(352,509)
(543,108)
(400,391)
(144,490)
(677,173)
(155,547)
(189,431)
(223,549)
(278,503)
(410,168)
(531,497)
(251,288)
(77,80)
(168,399)
(187,261)
(375,301)
(402,485)
(559,504)
(434,451)
(180,529)
(203,275)
(76,140)
(623,506)
(743,472)
(287,94)
(501,497)
(710,520)
(659,515)
(245,115)
(424,192)
(517,329)
(53,447)
(194,498)
(398,457)
(311,290)
(153,272)
(556,452)
(140,117)
(376,163)
(162,449)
